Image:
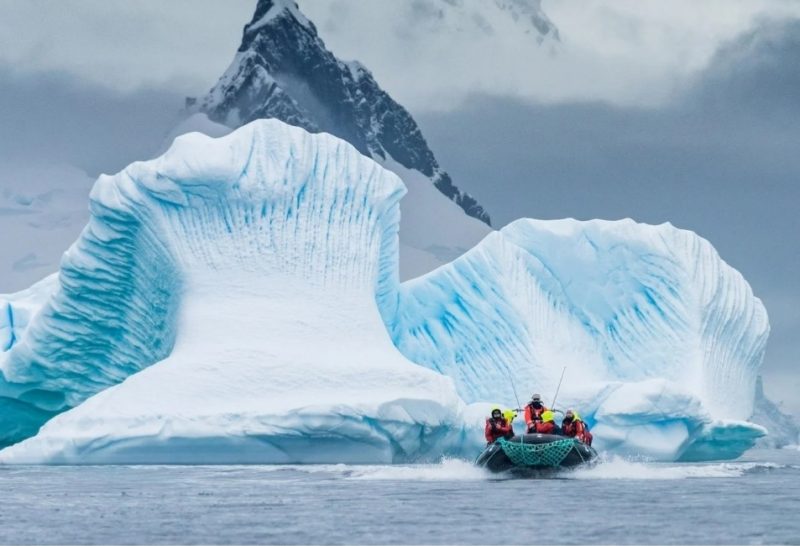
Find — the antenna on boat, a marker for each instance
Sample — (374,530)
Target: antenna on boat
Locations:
(553,405)
(519,406)
(513,388)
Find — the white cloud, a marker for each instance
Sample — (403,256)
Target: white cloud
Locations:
(183,45)
(634,52)
(429,54)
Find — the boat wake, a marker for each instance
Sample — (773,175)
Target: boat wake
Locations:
(446,470)
(619,468)
(608,468)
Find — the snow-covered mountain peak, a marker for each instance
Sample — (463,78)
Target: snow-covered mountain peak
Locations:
(267,11)
(283,70)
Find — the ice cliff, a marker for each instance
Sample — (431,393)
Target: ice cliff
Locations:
(237,300)
(248,267)
(660,338)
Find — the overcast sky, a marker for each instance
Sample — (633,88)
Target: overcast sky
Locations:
(681,111)
(624,52)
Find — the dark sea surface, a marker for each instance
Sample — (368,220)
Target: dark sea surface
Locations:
(753,500)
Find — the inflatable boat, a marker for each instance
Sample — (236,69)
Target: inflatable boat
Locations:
(535,452)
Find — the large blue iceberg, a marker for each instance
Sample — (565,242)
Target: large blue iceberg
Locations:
(661,340)
(237,300)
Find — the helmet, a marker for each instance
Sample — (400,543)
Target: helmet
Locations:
(569,416)
(547,416)
(536,398)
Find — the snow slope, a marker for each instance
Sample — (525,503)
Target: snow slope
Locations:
(237,300)
(249,266)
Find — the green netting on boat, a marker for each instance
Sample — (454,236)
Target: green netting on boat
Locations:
(549,454)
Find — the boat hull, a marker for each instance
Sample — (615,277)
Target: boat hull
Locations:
(551,452)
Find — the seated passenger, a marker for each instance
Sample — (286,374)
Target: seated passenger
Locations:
(497,427)
(547,425)
(510,415)
(574,427)
(533,412)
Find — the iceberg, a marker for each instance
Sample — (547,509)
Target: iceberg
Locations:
(237,300)
(249,269)
(661,340)
(18,418)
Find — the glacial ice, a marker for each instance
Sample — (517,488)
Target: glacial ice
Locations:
(237,300)
(435,229)
(660,338)
(248,267)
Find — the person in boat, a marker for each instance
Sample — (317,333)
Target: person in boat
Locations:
(534,411)
(547,424)
(574,427)
(497,426)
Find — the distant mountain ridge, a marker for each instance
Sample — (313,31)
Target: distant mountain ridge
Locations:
(283,70)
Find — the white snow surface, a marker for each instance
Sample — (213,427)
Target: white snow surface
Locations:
(237,300)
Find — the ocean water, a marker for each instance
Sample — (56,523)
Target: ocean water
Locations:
(755,500)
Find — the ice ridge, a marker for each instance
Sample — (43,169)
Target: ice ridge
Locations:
(655,330)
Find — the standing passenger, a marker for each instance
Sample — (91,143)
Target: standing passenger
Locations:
(534,411)
(547,425)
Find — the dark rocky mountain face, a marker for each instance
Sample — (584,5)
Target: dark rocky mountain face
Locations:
(283,70)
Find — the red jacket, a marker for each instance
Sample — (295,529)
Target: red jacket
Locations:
(497,428)
(533,415)
(576,429)
(545,428)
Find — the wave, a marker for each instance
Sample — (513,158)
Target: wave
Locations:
(619,468)
(610,468)
(446,470)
